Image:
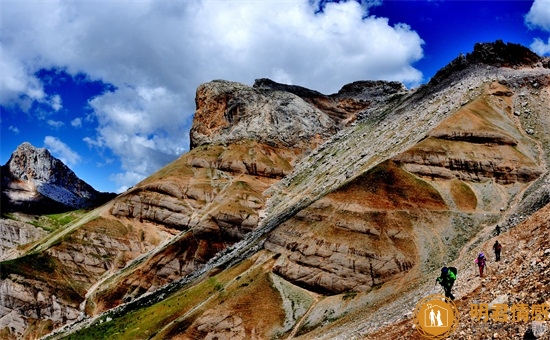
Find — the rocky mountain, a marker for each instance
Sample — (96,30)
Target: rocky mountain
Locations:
(303,215)
(36,182)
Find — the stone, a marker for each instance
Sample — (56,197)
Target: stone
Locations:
(34,181)
(228,112)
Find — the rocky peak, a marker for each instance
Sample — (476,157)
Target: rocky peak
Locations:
(33,179)
(502,54)
(28,162)
(229,112)
(497,54)
(302,92)
(371,88)
(281,115)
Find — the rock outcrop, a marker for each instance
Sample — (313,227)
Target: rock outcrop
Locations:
(36,182)
(497,54)
(228,112)
(477,143)
(15,233)
(348,104)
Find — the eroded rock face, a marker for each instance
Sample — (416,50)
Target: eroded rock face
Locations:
(348,104)
(15,233)
(368,231)
(357,237)
(50,286)
(34,181)
(229,112)
(480,142)
(24,300)
(211,196)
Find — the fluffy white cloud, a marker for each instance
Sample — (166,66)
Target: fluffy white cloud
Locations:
(14,129)
(157,52)
(61,150)
(539,47)
(539,15)
(19,86)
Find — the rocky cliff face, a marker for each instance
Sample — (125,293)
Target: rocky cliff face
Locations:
(15,233)
(34,181)
(281,115)
(298,214)
(229,112)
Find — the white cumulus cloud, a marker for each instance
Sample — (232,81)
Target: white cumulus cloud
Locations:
(539,47)
(156,53)
(539,15)
(61,150)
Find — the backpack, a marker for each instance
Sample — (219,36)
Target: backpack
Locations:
(480,261)
(449,276)
(453,270)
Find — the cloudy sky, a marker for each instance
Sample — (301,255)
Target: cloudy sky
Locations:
(108,86)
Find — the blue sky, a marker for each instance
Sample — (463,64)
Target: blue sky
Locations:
(109,87)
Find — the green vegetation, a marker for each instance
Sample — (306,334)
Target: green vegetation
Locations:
(228,290)
(349,296)
(50,223)
(142,322)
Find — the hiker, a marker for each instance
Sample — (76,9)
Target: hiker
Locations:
(497,247)
(447,280)
(497,229)
(480,261)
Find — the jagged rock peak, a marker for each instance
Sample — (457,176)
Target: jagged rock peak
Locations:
(502,54)
(30,163)
(359,88)
(497,54)
(268,84)
(33,179)
(372,88)
(230,112)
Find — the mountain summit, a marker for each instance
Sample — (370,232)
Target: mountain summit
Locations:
(34,181)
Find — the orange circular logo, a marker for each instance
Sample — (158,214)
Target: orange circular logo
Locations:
(436,316)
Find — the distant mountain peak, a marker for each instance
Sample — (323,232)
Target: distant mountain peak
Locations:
(34,181)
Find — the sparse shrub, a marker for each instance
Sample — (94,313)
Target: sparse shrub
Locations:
(348,295)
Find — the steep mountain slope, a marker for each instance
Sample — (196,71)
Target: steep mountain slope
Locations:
(300,214)
(34,181)
(522,276)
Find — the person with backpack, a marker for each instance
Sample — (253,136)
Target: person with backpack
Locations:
(497,247)
(480,261)
(447,280)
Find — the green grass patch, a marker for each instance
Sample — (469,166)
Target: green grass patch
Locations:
(143,323)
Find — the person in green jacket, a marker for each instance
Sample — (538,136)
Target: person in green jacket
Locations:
(447,280)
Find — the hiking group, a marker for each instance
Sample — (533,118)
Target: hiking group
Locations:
(448,274)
